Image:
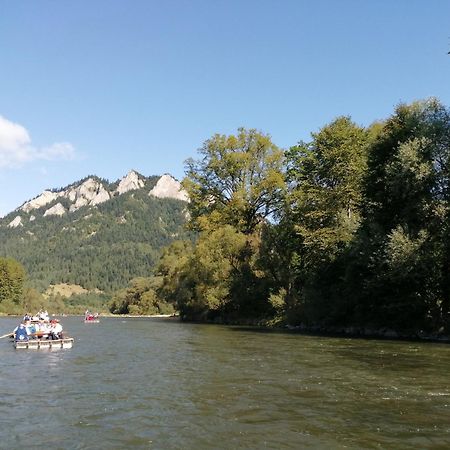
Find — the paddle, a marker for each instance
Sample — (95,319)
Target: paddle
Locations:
(6,335)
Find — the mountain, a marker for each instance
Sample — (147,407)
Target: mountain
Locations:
(94,233)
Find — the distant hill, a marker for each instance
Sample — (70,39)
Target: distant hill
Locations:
(94,233)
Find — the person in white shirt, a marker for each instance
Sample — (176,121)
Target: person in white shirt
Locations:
(42,329)
(56,330)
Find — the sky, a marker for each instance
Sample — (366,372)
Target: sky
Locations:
(100,87)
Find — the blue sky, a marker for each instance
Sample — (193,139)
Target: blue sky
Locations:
(104,86)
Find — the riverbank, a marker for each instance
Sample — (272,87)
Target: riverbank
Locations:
(149,316)
(354,332)
(370,333)
(104,315)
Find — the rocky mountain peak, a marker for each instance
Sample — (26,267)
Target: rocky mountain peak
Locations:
(92,191)
(130,182)
(41,200)
(168,187)
(16,222)
(56,210)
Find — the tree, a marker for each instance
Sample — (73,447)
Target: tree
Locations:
(33,300)
(140,297)
(217,279)
(234,189)
(326,177)
(400,275)
(12,277)
(199,278)
(238,181)
(321,216)
(173,268)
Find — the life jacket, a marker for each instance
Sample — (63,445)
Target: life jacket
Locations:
(21,333)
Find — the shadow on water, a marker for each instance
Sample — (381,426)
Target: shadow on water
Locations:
(336,335)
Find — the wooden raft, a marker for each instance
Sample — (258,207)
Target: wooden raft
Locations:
(48,344)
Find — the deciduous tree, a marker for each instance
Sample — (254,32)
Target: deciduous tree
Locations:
(237,181)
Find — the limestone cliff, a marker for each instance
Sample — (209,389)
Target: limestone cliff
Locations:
(16,222)
(56,210)
(168,187)
(93,191)
(130,182)
(45,198)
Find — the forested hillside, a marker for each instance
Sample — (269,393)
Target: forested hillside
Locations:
(97,247)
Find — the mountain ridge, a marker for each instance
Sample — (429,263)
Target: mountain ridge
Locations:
(93,190)
(69,236)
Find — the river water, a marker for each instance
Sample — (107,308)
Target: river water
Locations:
(162,384)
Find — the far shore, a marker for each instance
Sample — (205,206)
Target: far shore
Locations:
(342,332)
(130,316)
(133,315)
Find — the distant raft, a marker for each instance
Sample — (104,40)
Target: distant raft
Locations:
(36,344)
(91,318)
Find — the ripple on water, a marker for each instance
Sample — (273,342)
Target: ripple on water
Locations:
(144,383)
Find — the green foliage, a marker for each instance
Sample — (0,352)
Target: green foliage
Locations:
(348,230)
(361,237)
(238,181)
(199,281)
(12,277)
(280,259)
(403,240)
(100,247)
(235,188)
(217,279)
(78,303)
(33,301)
(140,297)
(326,178)
(320,219)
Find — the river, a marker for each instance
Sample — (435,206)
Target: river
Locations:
(162,384)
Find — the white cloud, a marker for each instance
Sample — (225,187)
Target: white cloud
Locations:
(16,148)
(59,150)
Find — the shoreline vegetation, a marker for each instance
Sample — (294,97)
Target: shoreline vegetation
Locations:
(345,234)
(109,315)
(338,332)
(319,331)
